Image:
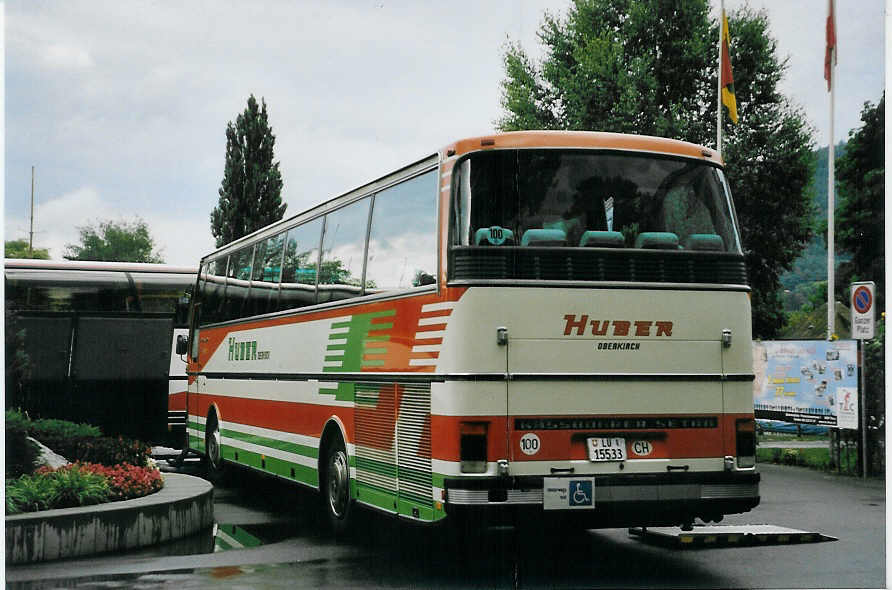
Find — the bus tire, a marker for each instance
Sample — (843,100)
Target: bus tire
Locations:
(215,466)
(334,484)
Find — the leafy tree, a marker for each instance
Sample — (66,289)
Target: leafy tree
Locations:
(115,241)
(875,378)
(861,216)
(19,249)
(650,67)
(250,193)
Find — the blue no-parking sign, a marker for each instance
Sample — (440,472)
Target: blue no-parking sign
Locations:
(863,315)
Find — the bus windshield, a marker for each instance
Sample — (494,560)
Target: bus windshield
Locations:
(584,198)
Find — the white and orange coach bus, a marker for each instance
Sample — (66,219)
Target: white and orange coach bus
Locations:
(547,322)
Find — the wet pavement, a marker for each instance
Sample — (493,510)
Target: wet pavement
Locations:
(268,535)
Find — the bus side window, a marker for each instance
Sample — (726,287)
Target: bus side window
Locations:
(343,251)
(298,286)
(403,236)
(212,290)
(238,281)
(263,296)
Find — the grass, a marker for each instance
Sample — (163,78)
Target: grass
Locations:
(783,437)
(812,458)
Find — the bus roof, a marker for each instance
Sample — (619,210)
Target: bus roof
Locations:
(88,265)
(581,139)
(507,140)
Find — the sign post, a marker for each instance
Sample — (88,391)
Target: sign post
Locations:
(863,320)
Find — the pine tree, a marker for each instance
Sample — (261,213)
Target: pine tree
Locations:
(250,193)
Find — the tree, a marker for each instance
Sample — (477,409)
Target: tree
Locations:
(650,67)
(115,241)
(250,193)
(860,220)
(20,249)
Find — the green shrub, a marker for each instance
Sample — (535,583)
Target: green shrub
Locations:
(79,487)
(21,454)
(103,450)
(52,428)
(76,442)
(47,489)
(28,494)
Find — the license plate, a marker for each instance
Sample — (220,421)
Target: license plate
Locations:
(607,449)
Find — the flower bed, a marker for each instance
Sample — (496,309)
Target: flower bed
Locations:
(124,481)
(106,469)
(79,484)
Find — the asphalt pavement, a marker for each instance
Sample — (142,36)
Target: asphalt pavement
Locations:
(271,538)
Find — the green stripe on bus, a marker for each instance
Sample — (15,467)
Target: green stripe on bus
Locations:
(416,498)
(339,325)
(272,443)
(374,496)
(273,465)
(391,470)
(374,350)
(263,441)
(378,467)
(373,363)
(342,346)
(196,443)
(404,503)
(424,512)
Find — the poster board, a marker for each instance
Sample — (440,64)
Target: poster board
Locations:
(806,381)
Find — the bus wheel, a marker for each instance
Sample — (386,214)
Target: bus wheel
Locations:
(213,450)
(335,486)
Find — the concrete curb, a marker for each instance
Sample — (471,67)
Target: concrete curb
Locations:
(183,507)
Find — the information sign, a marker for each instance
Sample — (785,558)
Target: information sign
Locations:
(801,381)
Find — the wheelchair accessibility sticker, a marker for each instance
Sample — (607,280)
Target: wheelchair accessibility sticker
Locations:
(564,493)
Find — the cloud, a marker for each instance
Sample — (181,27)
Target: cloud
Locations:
(56,220)
(132,99)
(67,56)
(181,241)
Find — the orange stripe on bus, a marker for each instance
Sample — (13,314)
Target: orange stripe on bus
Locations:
(293,417)
(677,443)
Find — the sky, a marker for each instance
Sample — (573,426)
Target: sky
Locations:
(122,106)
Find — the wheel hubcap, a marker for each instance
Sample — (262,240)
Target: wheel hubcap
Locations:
(213,444)
(338,484)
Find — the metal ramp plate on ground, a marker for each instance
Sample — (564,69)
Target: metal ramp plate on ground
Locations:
(747,535)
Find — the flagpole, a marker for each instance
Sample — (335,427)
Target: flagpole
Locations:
(718,127)
(831,163)
(831,166)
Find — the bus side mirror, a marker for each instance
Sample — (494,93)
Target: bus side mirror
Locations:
(182,344)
